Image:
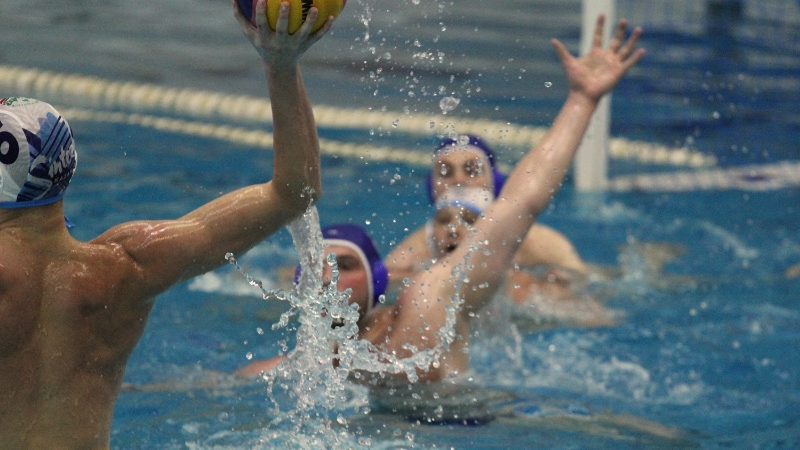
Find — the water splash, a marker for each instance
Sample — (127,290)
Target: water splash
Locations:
(317,371)
(448,104)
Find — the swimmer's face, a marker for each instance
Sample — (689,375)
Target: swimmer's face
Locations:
(450,226)
(352,274)
(460,167)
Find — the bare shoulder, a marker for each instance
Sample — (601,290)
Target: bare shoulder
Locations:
(128,234)
(412,249)
(138,254)
(545,245)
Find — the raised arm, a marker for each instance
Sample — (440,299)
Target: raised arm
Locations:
(166,252)
(539,174)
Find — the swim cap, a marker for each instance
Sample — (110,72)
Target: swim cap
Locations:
(474,199)
(37,153)
(355,238)
(469,142)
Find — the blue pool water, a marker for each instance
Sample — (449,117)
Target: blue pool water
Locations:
(706,350)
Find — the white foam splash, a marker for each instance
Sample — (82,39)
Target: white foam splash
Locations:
(318,386)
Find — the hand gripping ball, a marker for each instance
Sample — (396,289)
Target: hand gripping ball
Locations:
(297,14)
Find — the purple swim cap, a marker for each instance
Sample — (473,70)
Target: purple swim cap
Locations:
(478,143)
(37,153)
(356,238)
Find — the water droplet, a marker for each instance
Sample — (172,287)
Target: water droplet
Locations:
(249,356)
(548,84)
(448,104)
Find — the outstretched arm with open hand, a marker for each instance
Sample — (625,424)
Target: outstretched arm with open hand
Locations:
(539,174)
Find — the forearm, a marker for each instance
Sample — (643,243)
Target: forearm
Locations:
(529,188)
(296,174)
(539,174)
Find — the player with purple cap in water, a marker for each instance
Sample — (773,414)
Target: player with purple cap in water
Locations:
(469,163)
(476,268)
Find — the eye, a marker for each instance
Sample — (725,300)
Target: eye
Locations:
(347,263)
(473,168)
(469,216)
(444,170)
(443,217)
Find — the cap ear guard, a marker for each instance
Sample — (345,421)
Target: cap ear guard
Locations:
(380,280)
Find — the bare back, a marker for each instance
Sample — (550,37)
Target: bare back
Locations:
(69,320)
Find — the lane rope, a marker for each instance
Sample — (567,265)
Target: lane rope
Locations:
(94,92)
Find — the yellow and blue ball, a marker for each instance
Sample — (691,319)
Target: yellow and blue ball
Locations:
(297,14)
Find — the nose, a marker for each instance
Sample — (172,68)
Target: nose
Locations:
(460,178)
(454,229)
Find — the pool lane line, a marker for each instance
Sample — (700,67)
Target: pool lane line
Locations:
(761,177)
(94,92)
(753,178)
(246,136)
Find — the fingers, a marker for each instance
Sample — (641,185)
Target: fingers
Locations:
(282,26)
(619,35)
(311,19)
(327,26)
(561,50)
(627,49)
(624,51)
(597,40)
(628,63)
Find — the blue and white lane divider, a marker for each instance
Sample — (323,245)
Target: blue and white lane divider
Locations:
(761,177)
(96,99)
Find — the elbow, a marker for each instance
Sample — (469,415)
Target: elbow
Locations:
(298,201)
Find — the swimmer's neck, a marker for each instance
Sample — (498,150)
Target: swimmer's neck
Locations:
(40,220)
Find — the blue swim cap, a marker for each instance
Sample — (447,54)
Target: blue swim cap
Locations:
(37,153)
(477,143)
(356,238)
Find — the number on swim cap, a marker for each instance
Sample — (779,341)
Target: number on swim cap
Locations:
(10,152)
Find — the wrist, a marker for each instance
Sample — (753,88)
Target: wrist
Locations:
(581,99)
(280,72)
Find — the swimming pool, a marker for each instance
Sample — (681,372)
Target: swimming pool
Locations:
(708,350)
(707,355)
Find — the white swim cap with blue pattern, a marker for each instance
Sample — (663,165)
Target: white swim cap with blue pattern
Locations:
(37,153)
